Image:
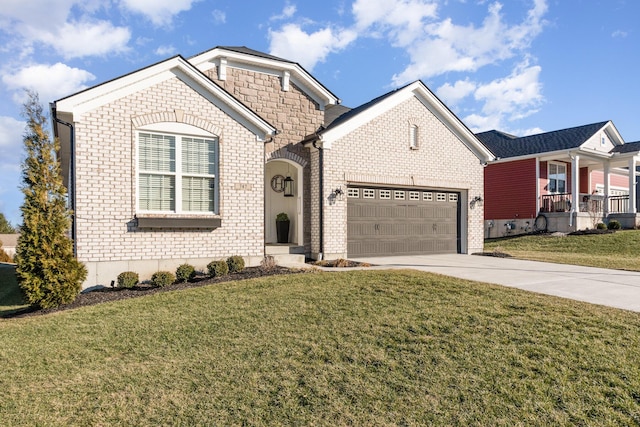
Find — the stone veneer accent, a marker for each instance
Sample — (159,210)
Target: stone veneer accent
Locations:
(378,153)
(294,114)
(108,240)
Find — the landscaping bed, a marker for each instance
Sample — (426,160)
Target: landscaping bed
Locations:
(107,294)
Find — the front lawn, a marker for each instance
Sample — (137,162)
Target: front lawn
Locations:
(619,250)
(347,348)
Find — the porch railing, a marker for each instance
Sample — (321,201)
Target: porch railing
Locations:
(588,203)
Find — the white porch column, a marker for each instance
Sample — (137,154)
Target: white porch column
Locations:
(575,183)
(632,186)
(607,173)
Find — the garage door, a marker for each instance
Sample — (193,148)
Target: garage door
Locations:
(396,221)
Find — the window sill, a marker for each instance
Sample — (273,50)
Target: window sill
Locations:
(178,221)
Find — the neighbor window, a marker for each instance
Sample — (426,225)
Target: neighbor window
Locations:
(177,173)
(557,178)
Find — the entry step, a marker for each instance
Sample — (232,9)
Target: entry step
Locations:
(283,248)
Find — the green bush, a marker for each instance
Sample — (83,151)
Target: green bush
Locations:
(128,279)
(601,226)
(185,272)
(614,225)
(163,278)
(235,263)
(218,268)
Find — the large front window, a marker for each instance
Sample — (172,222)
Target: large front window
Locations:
(177,173)
(557,178)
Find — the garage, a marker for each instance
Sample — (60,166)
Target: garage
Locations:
(402,221)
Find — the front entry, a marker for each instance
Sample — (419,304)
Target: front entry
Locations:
(276,171)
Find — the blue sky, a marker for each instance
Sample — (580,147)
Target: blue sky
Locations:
(520,66)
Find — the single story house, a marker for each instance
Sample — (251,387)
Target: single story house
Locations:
(565,180)
(190,160)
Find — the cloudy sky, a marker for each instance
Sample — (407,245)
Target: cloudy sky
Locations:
(521,66)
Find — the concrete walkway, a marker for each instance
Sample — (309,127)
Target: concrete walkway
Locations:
(613,288)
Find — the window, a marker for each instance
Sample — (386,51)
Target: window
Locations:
(353,193)
(441,197)
(413,137)
(368,193)
(385,194)
(398,195)
(453,197)
(427,196)
(414,195)
(557,178)
(177,173)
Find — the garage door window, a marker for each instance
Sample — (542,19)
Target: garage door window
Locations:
(368,193)
(353,193)
(385,194)
(453,197)
(427,196)
(398,195)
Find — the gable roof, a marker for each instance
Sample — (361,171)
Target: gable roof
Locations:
(244,57)
(354,118)
(81,102)
(504,145)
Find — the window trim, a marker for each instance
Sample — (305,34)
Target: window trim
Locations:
(566,177)
(178,131)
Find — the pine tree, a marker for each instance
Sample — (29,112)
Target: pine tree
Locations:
(5,225)
(47,270)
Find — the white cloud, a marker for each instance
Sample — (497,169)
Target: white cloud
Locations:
(292,42)
(11,154)
(159,12)
(619,34)
(444,46)
(288,11)
(508,99)
(165,50)
(50,81)
(452,94)
(219,17)
(403,19)
(79,39)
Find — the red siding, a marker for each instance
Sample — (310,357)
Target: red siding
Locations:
(584,181)
(510,190)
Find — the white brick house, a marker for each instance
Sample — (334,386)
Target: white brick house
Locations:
(183,161)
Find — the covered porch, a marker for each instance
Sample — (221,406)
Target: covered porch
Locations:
(576,190)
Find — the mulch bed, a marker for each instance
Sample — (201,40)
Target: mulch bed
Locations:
(107,294)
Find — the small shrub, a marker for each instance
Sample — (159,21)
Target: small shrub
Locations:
(185,272)
(163,278)
(235,263)
(282,216)
(614,225)
(128,279)
(601,226)
(341,262)
(218,268)
(268,264)
(4,257)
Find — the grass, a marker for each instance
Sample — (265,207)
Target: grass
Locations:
(10,294)
(620,250)
(348,348)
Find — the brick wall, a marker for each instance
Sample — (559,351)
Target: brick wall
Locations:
(108,240)
(379,152)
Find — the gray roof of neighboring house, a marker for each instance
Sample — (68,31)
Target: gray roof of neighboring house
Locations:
(248,51)
(503,145)
(332,112)
(628,147)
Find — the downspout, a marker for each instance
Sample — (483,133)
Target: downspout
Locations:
(71,191)
(321,197)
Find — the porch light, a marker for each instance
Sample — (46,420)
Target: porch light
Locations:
(288,187)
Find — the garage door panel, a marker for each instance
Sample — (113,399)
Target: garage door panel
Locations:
(419,224)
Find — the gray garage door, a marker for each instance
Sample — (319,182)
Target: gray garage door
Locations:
(396,221)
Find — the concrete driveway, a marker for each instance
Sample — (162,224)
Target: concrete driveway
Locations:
(613,288)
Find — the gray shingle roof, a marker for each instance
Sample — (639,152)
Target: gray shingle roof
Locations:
(628,147)
(504,145)
(248,51)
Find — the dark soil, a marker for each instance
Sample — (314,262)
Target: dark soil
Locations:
(340,263)
(107,294)
(591,231)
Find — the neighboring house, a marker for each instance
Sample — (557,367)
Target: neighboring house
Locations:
(186,161)
(9,243)
(564,180)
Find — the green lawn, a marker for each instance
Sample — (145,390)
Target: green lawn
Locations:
(620,250)
(347,348)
